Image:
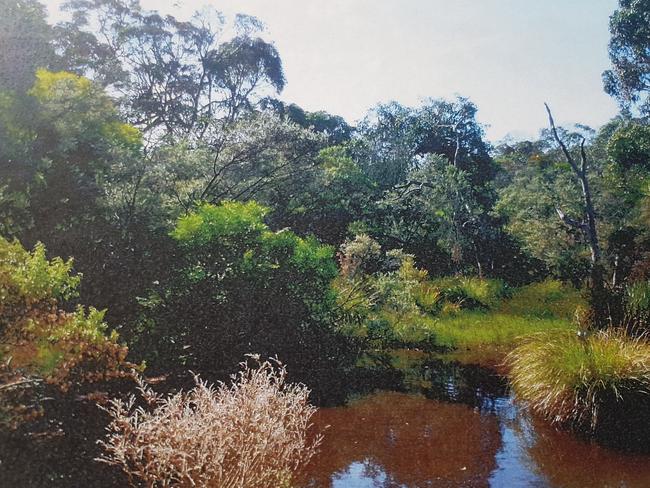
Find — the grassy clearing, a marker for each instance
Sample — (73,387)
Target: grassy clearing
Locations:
(547,299)
(407,309)
(571,380)
(474,329)
(545,306)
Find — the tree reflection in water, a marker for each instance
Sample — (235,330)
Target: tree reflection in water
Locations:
(455,425)
(394,439)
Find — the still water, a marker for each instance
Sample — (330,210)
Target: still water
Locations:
(456,425)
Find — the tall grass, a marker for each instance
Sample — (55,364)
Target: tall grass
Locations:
(251,434)
(473,329)
(470,292)
(550,298)
(571,379)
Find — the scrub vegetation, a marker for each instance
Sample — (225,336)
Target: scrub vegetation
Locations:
(164,213)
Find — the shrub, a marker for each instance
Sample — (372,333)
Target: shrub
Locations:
(258,289)
(547,299)
(570,379)
(40,342)
(253,433)
(359,256)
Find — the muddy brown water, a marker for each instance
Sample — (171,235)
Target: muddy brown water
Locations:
(456,425)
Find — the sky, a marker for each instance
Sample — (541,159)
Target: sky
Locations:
(507,56)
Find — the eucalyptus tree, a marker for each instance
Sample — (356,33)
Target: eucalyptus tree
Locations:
(173,76)
(629,52)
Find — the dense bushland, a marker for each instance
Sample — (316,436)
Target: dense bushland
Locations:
(205,215)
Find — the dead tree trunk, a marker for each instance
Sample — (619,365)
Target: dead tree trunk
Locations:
(587,225)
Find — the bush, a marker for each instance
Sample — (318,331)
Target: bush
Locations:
(253,433)
(570,379)
(256,289)
(40,342)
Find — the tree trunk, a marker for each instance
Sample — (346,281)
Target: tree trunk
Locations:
(598,294)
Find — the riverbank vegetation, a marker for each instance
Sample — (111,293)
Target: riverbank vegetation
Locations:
(163,210)
(253,432)
(581,380)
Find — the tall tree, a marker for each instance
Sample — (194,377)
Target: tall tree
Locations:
(629,51)
(25,40)
(174,76)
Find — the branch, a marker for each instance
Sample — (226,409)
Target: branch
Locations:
(22,382)
(583,157)
(566,152)
(568,220)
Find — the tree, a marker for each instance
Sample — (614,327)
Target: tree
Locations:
(175,77)
(629,52)
(385,144)
(240,288)
(533,182)
(258,157)
(336,194)
(26,39)
(334,127)
(587,223)
(436,173)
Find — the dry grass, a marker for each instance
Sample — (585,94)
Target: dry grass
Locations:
(253,433)
(570,380)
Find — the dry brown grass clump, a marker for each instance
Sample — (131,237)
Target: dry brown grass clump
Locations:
(253,433)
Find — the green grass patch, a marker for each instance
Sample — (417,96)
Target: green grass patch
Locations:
(468,330)
(546,299)
(454,313)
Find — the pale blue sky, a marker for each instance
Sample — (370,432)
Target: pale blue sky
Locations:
(508,56)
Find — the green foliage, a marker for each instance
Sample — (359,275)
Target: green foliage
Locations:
(227,220)
(637,304)
(39,339)
(474,330)
(27,277)
(471,292)
(462,313)
(547,299)
(337,193)
(630,146)
(259,290)
(629,52)
(26,39)
(571,380)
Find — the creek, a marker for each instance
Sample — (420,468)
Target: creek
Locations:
(450,424)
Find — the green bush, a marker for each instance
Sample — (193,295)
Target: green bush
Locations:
(39,341)
(240,287)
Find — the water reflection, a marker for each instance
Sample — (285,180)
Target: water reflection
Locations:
(391,439)
(456,425)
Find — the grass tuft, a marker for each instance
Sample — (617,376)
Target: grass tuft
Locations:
(571,380)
